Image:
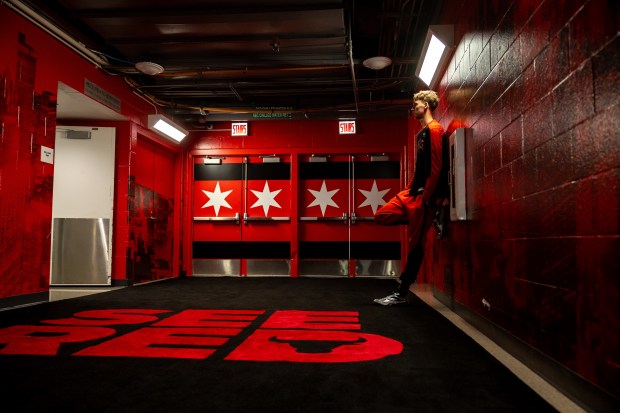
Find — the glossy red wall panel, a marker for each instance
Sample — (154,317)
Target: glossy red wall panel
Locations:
(31,66)
(27,122)
(151,212)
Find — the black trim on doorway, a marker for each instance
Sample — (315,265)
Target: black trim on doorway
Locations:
(377,170)
(239,250)
(340,170)
(360,250)
(269,171)
(234,171)
(224,172)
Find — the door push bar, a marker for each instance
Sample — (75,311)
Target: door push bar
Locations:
(247,218)
(344,218)
(219,219)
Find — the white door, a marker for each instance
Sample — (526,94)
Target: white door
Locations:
(82,206)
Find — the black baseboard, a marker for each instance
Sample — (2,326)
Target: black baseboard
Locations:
(589,396)
(121,283)
(24,299)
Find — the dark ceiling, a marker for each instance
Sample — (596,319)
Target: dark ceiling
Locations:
(242,59)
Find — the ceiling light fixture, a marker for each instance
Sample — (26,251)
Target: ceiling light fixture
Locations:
(377,62)
(166,127)
(149,68)
(435,52)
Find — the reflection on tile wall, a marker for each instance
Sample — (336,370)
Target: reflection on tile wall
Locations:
(27,122)
(150,235)
(540,255)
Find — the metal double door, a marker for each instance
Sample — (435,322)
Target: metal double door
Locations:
(253,217)
(338,197)
(242,216)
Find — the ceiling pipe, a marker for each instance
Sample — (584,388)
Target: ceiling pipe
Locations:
(406,103)
(351,64)
(232,88)
(244,72)
(44,24)
(409,41)
(363,84)
(407,33)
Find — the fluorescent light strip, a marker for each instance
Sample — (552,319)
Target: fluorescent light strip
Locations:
(167,127)
(169,130)
(431,59)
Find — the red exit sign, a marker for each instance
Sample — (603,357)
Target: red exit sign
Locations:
(346,127)
(240,129)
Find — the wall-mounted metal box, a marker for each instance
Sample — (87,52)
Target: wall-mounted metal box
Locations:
(458,173)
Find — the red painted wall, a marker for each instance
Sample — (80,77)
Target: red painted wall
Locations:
(538,82)
(29,68)
(371,133)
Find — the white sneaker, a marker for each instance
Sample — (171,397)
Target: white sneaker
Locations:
(391,299)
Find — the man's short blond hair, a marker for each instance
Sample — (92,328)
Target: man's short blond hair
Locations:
(428,96)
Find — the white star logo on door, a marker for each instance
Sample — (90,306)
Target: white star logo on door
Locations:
(217,199)
(266,198)
(323,198)
(374,197)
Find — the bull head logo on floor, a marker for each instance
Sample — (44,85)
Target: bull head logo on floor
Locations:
(286,336)
(316,346)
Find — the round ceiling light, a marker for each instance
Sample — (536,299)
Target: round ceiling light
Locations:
(149,68)
(377,62)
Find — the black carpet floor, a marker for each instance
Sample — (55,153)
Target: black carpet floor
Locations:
(439,369)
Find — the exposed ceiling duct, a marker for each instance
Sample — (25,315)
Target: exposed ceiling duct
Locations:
(198,58)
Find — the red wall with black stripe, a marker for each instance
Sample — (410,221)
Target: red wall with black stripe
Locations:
(291,138)
(309,133)
(538,82)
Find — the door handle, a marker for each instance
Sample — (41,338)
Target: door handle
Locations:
(219,219)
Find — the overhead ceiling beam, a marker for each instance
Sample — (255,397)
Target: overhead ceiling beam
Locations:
(374,83)
(352,65)
(253,37)
(200,11)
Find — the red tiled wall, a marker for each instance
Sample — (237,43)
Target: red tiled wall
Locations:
(538,82)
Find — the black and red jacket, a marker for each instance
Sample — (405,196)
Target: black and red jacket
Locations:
(428,161)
